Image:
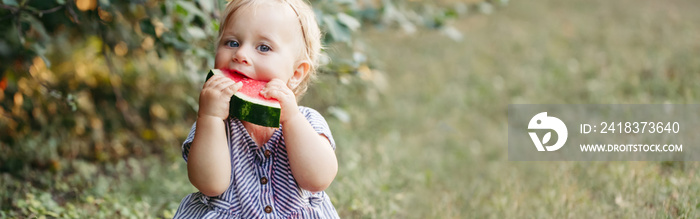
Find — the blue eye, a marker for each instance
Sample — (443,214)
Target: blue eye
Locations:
(263,48)
(232,43)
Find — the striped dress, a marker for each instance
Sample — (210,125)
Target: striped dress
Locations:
(262,185)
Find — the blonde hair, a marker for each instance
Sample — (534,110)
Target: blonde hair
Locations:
(309,29)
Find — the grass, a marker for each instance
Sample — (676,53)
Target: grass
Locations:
(433,144)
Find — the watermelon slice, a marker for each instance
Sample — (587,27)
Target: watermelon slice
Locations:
(247,104)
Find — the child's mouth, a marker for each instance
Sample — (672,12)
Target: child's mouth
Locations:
(240,73)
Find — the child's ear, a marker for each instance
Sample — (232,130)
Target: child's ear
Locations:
(300,71)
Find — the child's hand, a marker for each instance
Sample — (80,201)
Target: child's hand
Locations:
(216,95)
(278,90)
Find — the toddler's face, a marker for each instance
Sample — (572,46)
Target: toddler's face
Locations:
(262,42)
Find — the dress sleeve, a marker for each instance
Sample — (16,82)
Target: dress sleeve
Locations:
(188,142)
(318,123)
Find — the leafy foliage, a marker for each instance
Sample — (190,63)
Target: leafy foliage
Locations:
(104,79)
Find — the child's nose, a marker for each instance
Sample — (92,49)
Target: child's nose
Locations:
(240,56)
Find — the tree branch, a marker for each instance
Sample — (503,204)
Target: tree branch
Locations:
(12,9)
(49,11)
(72,13)
(18,25)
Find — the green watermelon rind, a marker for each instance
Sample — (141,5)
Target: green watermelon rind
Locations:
(248,109)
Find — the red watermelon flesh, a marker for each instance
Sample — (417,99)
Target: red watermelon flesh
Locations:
(247,103)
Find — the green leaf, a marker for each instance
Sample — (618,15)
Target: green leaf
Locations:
(196,32)
(147,27)
(61,2)
(70,100)
(35,24)
(451,13)
(206,5)
(336,31)
(214,25)
(189,9)
(348,21)
(171,39)
(41,52)
(319,16)
(10,2)
(181,10)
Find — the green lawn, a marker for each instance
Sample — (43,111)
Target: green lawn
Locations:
(434,145)
(433,142)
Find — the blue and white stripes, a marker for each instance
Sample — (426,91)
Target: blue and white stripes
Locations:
(262,185)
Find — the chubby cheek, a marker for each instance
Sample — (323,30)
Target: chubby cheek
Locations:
(221,60)
(275,69)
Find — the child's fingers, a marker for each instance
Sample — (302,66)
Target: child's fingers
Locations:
(224,85)
(232,89)
(277,89)
(275,83)
(213,81)
(216,80)
(277,92)
(271,94)
(225,89)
